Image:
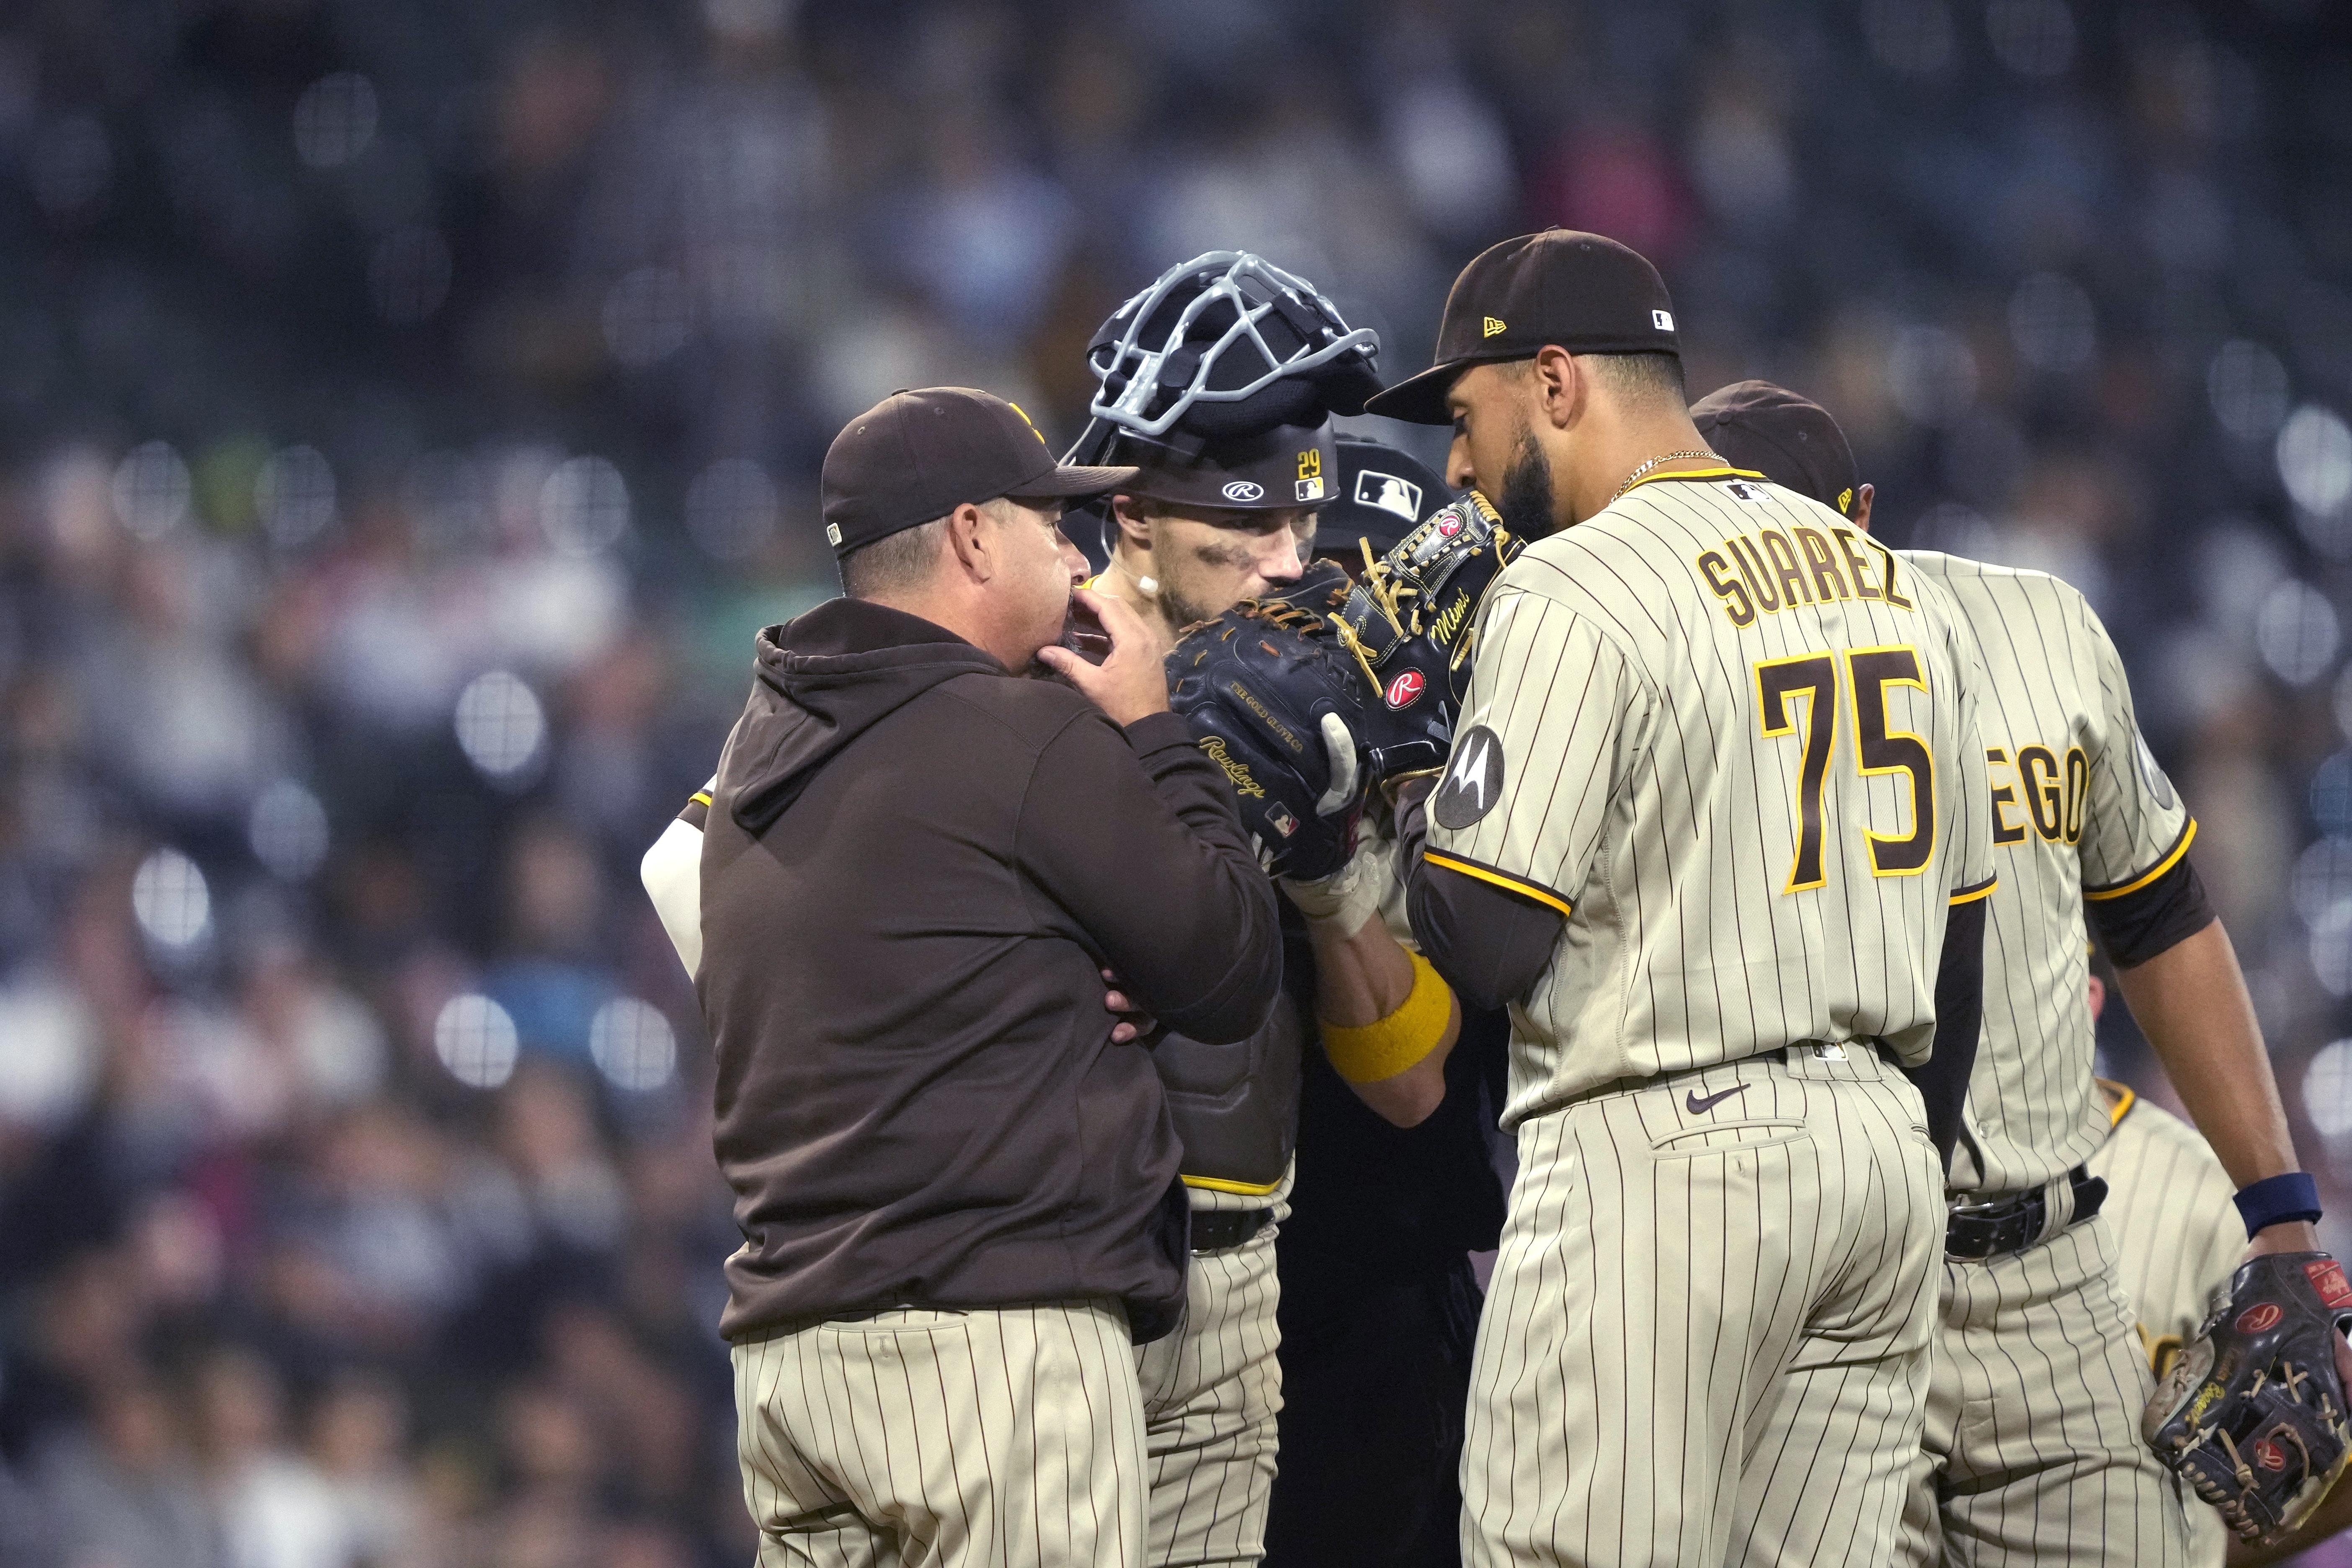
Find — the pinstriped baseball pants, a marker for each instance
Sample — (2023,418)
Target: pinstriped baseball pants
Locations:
(1705,1342)
(913,1438)
(1212,1393)
(2033,1452)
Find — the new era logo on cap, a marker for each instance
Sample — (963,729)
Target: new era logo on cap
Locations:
(1662,319)
(1493,328)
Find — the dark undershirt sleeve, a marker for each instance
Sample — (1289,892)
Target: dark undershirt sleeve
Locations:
(2147,921)
(1491,945)
(1943,1082)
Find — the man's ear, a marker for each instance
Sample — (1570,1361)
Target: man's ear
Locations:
(1559,384)
(1861,498)
(1133,525)
(972,536)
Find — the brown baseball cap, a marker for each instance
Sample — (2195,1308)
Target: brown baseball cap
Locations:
(1790,440)
(916,456)
(1584,292)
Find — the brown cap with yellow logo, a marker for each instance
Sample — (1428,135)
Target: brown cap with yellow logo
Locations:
(1583,292)
(1287,466)
(916,456)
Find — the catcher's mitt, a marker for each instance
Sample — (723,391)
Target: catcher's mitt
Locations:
(1276,701)
(1411,621)
(2253,1414)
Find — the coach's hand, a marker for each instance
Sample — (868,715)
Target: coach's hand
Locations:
(1134,1023)
(1132,683)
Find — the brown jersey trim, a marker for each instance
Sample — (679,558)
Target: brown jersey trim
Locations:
(1970,894)
(2152,918)
(1502,879)
(2133,885)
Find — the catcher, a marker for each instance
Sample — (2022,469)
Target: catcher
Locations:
(1307,699)
(1217,384)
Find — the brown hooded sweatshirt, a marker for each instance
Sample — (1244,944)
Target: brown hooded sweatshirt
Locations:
(915,866)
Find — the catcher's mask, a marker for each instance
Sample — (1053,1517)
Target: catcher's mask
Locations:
(1218,381)
(1210,340)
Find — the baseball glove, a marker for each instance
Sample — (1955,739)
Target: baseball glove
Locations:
(1410,622)
(1278,702)
(2253,1414)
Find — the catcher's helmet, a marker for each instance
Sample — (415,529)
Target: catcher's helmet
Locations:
(1218,381)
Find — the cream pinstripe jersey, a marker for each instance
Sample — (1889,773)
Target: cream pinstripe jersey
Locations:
(2081,811)
(1730,738)
(2178,1239)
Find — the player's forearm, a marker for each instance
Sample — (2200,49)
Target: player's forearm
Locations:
(2191,1002)
(1365,991)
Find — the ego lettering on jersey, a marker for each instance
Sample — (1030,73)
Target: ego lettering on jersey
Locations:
(1771,569)
(1474,782)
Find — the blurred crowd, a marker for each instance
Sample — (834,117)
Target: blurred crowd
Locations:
(408,411)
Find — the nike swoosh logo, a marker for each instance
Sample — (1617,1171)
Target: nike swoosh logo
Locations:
(1698,1105)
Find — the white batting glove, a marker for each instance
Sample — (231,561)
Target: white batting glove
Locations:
(1351,894)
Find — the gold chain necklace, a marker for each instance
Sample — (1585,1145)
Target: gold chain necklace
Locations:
(1635,477)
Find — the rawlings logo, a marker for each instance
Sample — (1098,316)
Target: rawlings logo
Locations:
(1243,489)
(1448,526)
(1405,689)
(2326,1277)
(2270,1456)
(2255,1319)
(1237,773)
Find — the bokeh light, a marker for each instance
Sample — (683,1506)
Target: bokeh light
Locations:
(171,901)
(476,1040)
(295,495)
(2322,878)
(2298,633)
(2247,387)
(648,317)
(151,490)
(501,726)
(288,831)
(2327,1089)
(2052,322)
(633,1045)
(1932,373)
(583,506)
(334,119)
(2315,458)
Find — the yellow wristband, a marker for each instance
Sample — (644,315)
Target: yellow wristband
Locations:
(1370,1052)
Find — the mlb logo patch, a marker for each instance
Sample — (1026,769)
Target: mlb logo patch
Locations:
(1389,493)
(1284,823)
(1311,489)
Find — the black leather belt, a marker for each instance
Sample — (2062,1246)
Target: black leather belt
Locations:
(1977,1231)
(1221,1230)
(1812,1049)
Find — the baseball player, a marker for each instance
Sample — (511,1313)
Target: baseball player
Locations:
(1380,1303)
(1712,825)
(2033,1443)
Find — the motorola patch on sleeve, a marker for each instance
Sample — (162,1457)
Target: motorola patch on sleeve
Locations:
(1474,781)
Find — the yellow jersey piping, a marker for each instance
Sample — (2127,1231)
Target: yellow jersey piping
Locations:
(2152,873)
(1502,879)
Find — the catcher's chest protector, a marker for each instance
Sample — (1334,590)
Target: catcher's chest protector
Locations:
(1236,1106)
